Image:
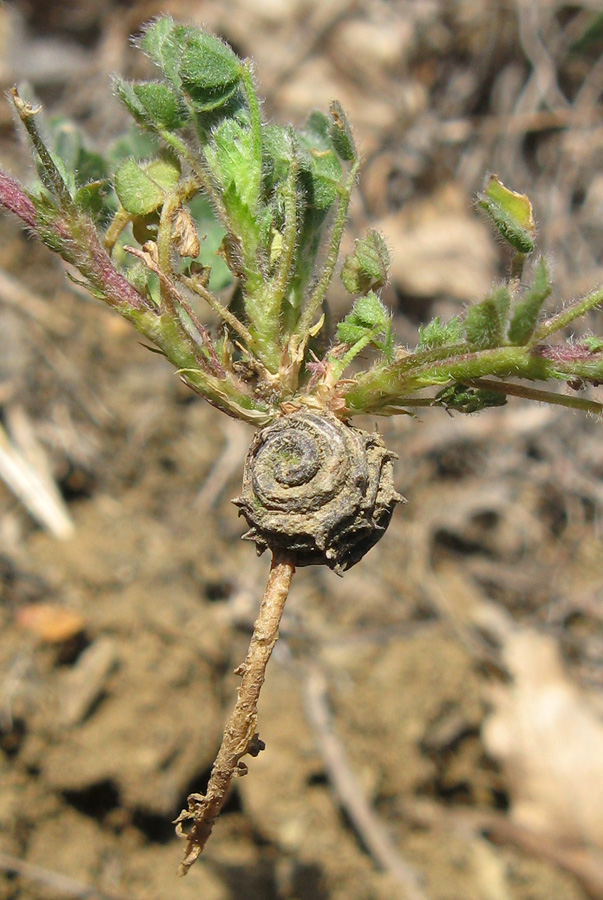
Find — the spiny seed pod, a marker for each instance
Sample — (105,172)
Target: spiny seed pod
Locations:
(317,488)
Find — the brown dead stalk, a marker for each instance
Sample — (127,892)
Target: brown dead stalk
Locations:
(240,736)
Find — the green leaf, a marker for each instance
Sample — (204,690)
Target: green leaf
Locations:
(160,104)
(340,133)
(162,42)
(137,192)
(368,314)
(319,164)
(434,334)
(277,152)
(124,91)
(231,158)
(511,214)
(90,198)
(164,170)
(366,268)
(209,69)
(526,311)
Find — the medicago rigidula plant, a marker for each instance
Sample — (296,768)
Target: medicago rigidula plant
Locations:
(202,163)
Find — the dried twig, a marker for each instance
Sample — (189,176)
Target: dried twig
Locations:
(240,737)
(369,827)
(25,470)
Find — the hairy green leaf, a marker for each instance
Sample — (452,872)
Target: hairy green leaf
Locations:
(137,192)
(435,334)
(160,104)
(340,133)
(368,314)
(511,214)
(209,69)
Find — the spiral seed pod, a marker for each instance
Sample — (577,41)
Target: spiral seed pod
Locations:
(317,488)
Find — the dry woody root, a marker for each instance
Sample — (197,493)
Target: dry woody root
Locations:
(240,737)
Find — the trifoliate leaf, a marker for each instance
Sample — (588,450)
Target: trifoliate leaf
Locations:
(527,309)
(367,266)
(511,214)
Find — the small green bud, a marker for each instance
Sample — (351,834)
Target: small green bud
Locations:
(341,133)
(501,298)
(483,326)
(469,400)
(209,69)
(511,214)
(367,266)
(230,157)
(527,309)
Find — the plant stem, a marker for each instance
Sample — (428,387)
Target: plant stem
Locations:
(569,314)
(49,173)
(285,262)
(530,393)
(256,130)
(383,386)
(240,737)
(319,293)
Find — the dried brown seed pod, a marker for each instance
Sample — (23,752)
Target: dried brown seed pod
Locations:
(318,488)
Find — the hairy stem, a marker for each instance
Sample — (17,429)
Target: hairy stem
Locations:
(319,293)
(240,737)
(569,314)
(256,130)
